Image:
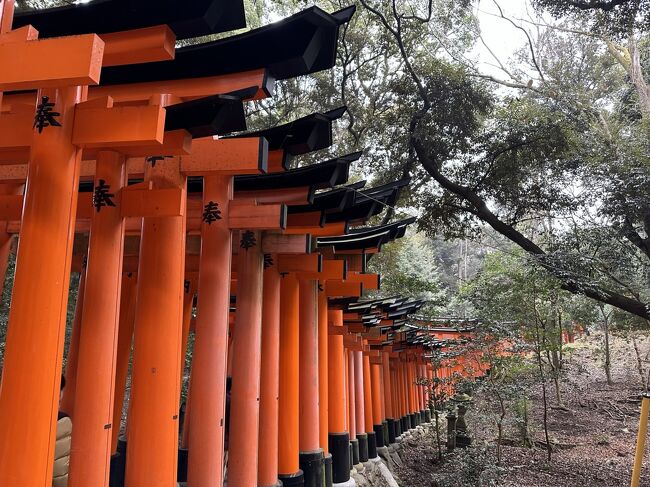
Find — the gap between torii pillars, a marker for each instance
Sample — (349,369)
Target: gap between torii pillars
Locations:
(311,455)
(267,472)
(152,434)
(352,413)
(96,366)
(246,365)
(209,361)
(339,438)
(34,345)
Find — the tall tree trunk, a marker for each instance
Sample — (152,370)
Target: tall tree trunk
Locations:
(639,363)
(542,376)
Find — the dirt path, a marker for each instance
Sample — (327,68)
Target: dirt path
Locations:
(596,427)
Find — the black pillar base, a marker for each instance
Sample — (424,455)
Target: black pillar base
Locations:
(384,428)
(339,444)
(293,480)
(362,438)
(412,423)
(427,414)
(416,416)
(313,466)
(372,446)
(181,472)
(391,430)
(379,434)
(406,423)
(118,469)
(328,470)
(398,427)
(423,416)
(355,451)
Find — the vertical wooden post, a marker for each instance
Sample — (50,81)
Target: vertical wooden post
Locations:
(352,406)
(369,408)
(91,443)
(388,396)
(323,355)
(375,378)
(360,415)
(267,472)
(31,375)
(124,341)
(288,440)
(67,400)
(6,20)
(6,238)
(152,434)
(339,438)
(311,455)
(207,401)
(247,340)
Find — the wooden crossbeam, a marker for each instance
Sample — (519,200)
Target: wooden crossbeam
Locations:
(300,263)
(226,156)
(139,46)
(51,63)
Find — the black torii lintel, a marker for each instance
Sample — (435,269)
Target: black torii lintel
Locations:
(301,44)
(187,19)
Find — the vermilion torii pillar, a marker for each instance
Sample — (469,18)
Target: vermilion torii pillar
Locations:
(352,407)
(207,419)
(323,384)
(91,444)
(339,438)
(267,473)
(247,343)
(388,396)
(311,455)
(289,437)
(362,436)
(153,418)
(369,408)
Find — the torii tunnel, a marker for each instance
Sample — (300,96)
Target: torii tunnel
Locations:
(127,160)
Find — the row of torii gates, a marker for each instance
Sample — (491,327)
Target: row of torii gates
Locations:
(114,163)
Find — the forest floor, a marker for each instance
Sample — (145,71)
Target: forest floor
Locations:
(594,430)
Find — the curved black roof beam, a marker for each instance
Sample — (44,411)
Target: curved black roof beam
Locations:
(187,19)
(212,115)
(335,200)
(318,176)
(301,136)
(301,44)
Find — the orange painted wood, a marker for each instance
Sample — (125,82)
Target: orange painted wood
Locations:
(300,263)
(262,217)
(388,386)
(153,416)
(275,243)
(267,470)
(328,230)
(288,439)
(6,238)
(323,361)
(352,408)
(331,270)
(6,15)
(124,340)
(94,398)
(308,356)
(36,331)
(11,207)
(375,377)
(22,34)
(16,133)
(152,202)
(311,219)
(230,156)
(359,392)
(137,46)
(343,288)
(67,398)
(369,281)
(209,362)
(246,367)
(188,303)
(277,160)
(119,126)
(50,63)
(186,88)
(289,196)
(367,395)
(336,376)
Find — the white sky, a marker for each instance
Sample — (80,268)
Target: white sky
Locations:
(500,35)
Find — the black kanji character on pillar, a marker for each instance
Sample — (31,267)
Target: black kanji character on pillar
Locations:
(211,212)
(268,261)
(153,159)
(101,196)
(45,117)
(248,240)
